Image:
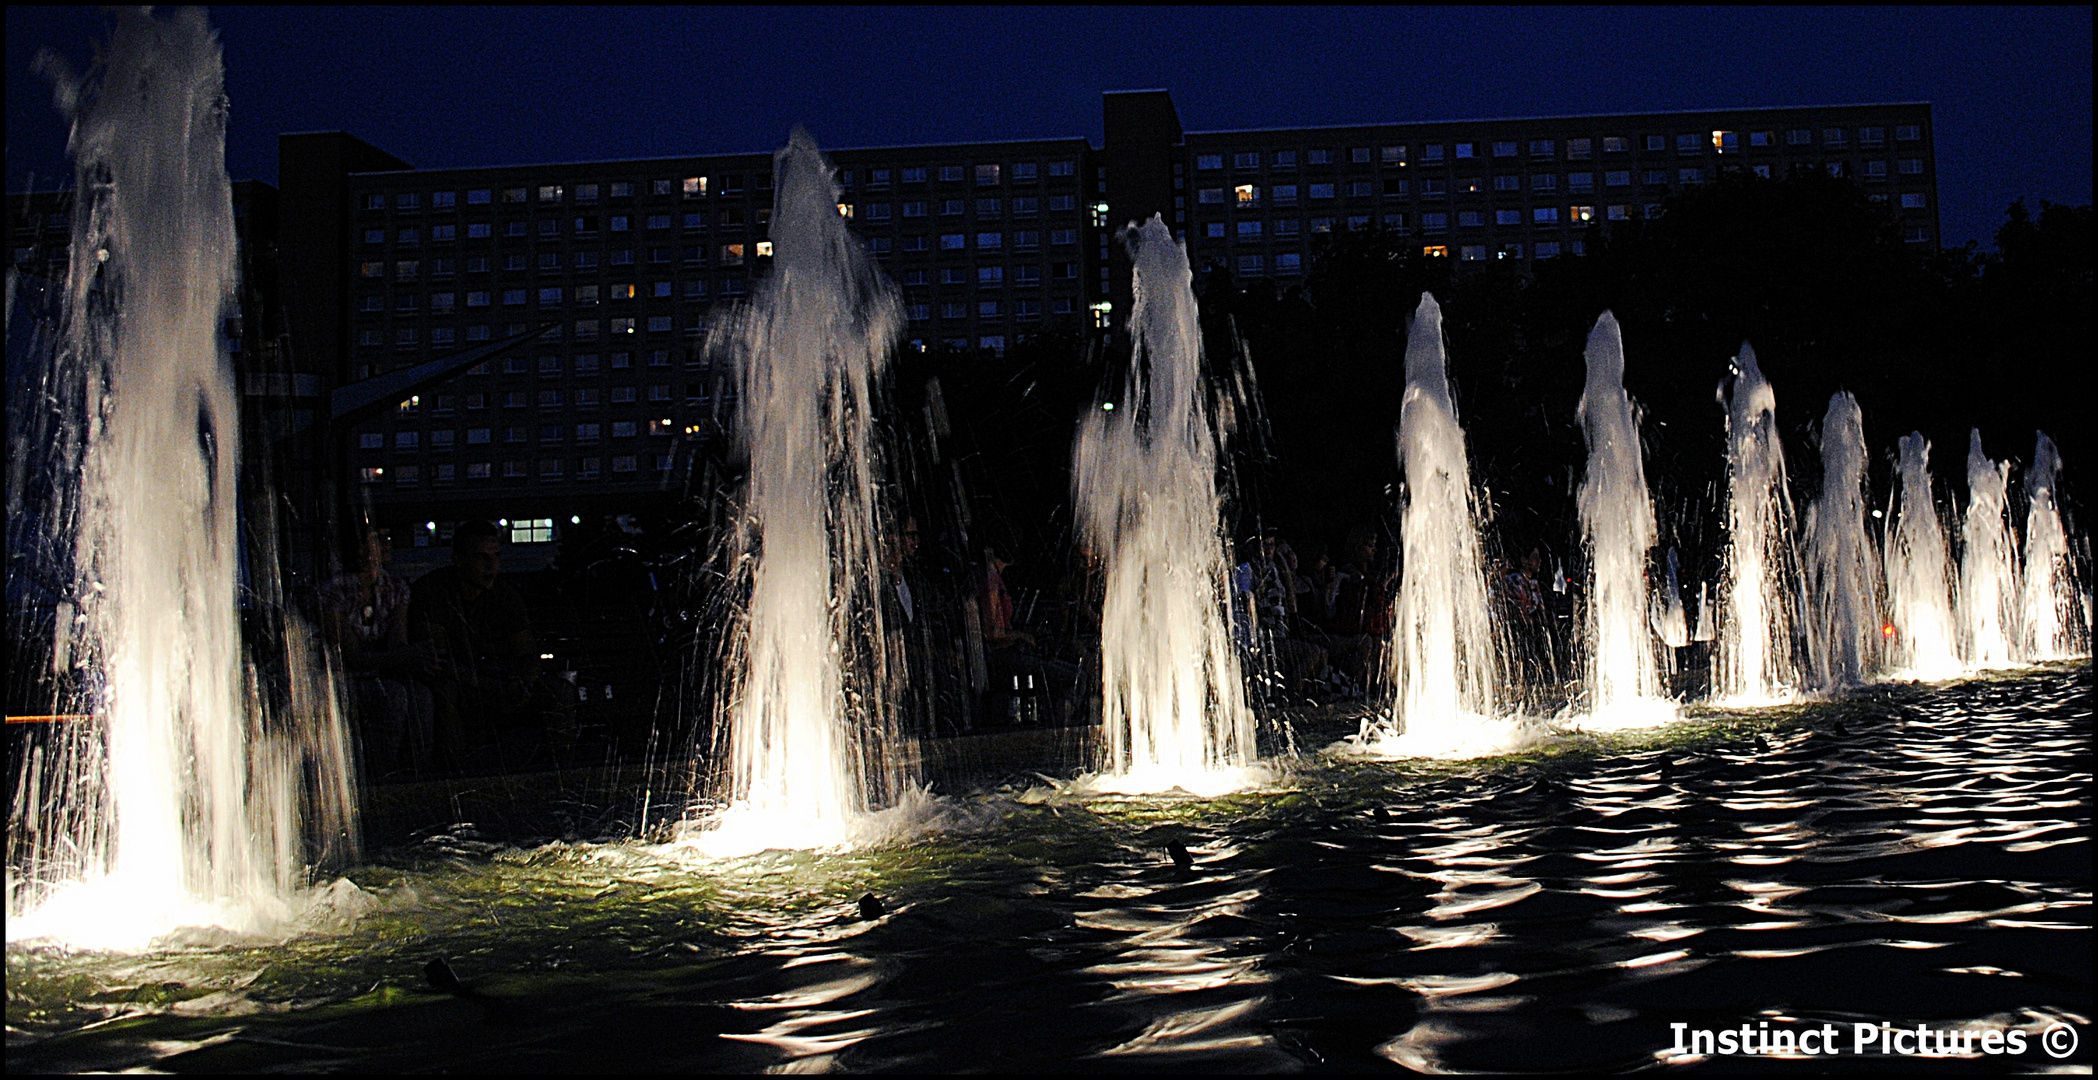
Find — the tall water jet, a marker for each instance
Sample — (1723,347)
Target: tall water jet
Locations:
(1988,569)
(1843,571)
(808,714)
(2053,606)
(1144,481)
(1617,517)
(1925,644)
(178,798)
(1671,622)
(1756,664)
(1444,662)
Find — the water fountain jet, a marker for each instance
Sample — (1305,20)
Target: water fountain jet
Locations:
(1843,571)
(1925,644)
(1988,570)
(1755,656)
(2055,610)
(1144,482)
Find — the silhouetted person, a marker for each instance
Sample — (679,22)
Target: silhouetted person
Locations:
(365,615)
(474,633)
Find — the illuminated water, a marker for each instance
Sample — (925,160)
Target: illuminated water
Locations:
(1844,583)
(1617,517)
(1143,488)
(2056,611)
(1444,658)
(1925,644)
(810,715)
(1988,566)
(182,801)
(1920,855)
(1755,655)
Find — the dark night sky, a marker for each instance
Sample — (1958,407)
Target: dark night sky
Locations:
(455,87)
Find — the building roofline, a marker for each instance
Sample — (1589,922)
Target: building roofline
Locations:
(1157,90)
(690,157)
(1566,116)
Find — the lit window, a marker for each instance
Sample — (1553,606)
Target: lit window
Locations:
(731,255)
(845,210)
(695,186)
(1436,251)
(1726,142)
(986,175)
(550,193)
(1247,195)
(1580,213)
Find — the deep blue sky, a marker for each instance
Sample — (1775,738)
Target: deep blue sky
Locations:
(456,86)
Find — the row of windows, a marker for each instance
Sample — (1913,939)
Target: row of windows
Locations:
(989,175)
(446,439)
(1250,195)
(1720,141)
(699,187)
(1436,220)
(549,470)
(724,255)
(591,224)
(993,309)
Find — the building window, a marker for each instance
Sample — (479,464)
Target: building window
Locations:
(1690,176)
(1620,212)
(1436,251)
(1726,142)
(1360,155)
(1507,217)
(1875,170)
(1251,266)
(1464,150)
(1578,149)
(1433,222)
(1907,132)
(1507,182)
(1246,160)
(989,241)
(1431,154)
(1616,144)
(1656,143)
(1548,250)
(1545,215)
(1915,234)
(1579,214)
(1322,191)
(1544,182)
(1249,230)
(1912,200)
(1580,183)
(1910,167)
(1834,137)
(1542,148)
(1618,178)
(987,175)
(1469,219)
(1213,230)
(990,275)
(1472,253)
(1209,161)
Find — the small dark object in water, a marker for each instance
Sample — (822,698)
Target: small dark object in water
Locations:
(871,907)
(441,978)
(1181,858)
(1842,731)
(1379,813)
(1762,745)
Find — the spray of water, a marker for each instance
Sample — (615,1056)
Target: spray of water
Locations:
(1144,481)
(1671,622)
(1755,656)
(1988,568)
(2056,613)
(1925,644)
(179,802)
(1617,517)
(1444,658)
(1843,572)
(809,717)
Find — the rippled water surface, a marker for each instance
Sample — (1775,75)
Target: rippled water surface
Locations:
(1921,856)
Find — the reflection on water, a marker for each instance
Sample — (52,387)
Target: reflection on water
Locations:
(1921,856)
